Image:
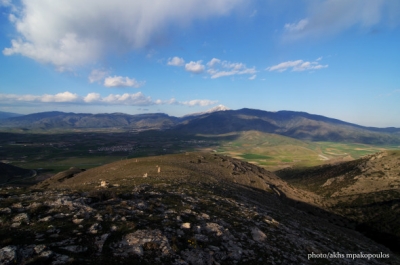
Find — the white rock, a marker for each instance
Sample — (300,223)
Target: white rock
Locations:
(77,221)
(257,234)
(185,225)
(22,217)
(8,255)
(46,219)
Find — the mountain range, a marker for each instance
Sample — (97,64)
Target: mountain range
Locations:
(5,115)
(298,125)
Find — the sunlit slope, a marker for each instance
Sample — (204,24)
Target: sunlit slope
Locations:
(299,125)
(274,152)
(193,168)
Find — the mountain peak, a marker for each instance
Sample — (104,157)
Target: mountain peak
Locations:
(217,108)
(214,109)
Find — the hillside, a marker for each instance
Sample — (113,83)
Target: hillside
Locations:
(298,125)
(10,173)
(194,208)
(366,190)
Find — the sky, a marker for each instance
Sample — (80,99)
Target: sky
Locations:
(336,58)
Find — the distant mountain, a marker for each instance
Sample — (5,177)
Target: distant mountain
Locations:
(6,115)
(61,120)
(299,125)
(219,120)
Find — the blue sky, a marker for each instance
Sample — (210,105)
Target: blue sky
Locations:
(336,58)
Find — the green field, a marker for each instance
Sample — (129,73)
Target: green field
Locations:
(60,151)
(275,151)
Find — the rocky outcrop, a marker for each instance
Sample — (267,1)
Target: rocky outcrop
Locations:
(169,222)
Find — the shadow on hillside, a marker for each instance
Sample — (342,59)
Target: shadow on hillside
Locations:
(389,240)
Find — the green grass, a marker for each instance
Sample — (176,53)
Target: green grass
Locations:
(352,149)
(254,156)
(58,151)
(275,151)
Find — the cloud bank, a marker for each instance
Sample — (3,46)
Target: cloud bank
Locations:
(74,32)
(135,99)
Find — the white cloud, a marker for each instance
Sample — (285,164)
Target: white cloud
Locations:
(195,67)
(119,81)
(296,26)
(213,62)
(97,75)
(74,32)
(60,97)
(297,66)
(67,51)
(176,61)
(135,99)
(252,77)
(218,68)
(334,16)
(92,97)
(199,102)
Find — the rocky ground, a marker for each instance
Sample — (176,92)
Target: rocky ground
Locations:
(366,190)
(176,220)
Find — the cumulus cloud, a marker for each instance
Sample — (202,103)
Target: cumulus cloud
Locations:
(135,99)
(119,81)
(195,67)
(333,16)
(176,61)
(213,62)
(60,97)
(296,66)
(218,68)
(215,67)
(252,77)
(92,97)
(74,32)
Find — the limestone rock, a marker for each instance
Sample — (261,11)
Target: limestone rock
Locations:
(257,234)
(134,243)
(8,255)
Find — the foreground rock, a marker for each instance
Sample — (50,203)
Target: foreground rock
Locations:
(195,217)
(170,225)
